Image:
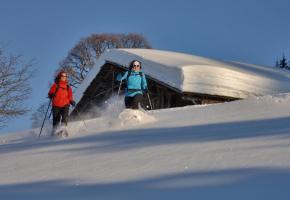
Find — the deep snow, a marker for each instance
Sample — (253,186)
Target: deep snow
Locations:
(236,150)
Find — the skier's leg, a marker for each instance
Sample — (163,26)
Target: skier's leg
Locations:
(137,101)
(145,104)
(64,120)
(128,102)
(56,114)
(64,115)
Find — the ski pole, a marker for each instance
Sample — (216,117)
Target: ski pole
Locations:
(81,118)
(149,100)
(49,114)
(44,118)
(105,91)
(113,79)
(120,87)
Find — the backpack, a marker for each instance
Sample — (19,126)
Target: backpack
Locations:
(57,87)
(129,74)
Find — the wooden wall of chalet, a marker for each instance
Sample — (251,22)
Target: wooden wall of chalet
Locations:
(162,96)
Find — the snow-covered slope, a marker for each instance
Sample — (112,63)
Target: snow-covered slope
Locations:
(236,150)
(189,73)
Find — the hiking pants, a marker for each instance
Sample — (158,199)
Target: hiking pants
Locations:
(60,113)
(133,102)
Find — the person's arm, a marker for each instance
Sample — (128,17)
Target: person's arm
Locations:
(70,97)
(144,83)
(52,91)
(120,77)
(70,94)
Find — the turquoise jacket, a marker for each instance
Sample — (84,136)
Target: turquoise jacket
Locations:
(136,83)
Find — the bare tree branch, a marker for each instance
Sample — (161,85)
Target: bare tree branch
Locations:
(82,57)
(14,86)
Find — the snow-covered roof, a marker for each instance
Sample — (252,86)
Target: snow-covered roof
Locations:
(195,74)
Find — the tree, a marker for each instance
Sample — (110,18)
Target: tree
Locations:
(283,63)
(82,57)
(78,62)
(37,117)
(14,86)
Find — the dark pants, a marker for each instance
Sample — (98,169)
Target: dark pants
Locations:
(60,113)
(133,102)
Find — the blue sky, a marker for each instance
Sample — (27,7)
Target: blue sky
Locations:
(253,31)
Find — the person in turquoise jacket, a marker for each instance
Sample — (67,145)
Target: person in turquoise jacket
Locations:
(136,85)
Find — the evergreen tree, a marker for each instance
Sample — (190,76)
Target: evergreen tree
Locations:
(283,63)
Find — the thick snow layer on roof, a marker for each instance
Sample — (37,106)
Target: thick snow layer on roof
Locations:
(189,73)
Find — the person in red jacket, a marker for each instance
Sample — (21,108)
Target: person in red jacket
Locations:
(61,97)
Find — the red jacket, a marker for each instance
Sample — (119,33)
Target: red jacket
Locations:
(63,95)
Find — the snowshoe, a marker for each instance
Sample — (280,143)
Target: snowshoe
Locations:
(61,132)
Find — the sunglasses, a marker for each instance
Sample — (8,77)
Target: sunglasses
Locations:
(136,65)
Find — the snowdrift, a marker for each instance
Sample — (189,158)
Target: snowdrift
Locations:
(192,152)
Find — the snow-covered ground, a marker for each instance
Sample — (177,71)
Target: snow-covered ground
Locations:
(236,150)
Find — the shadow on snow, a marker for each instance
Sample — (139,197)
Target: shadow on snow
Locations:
(138,138)
(253,183)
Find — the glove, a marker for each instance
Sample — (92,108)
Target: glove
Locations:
(51,96)
(72,103)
